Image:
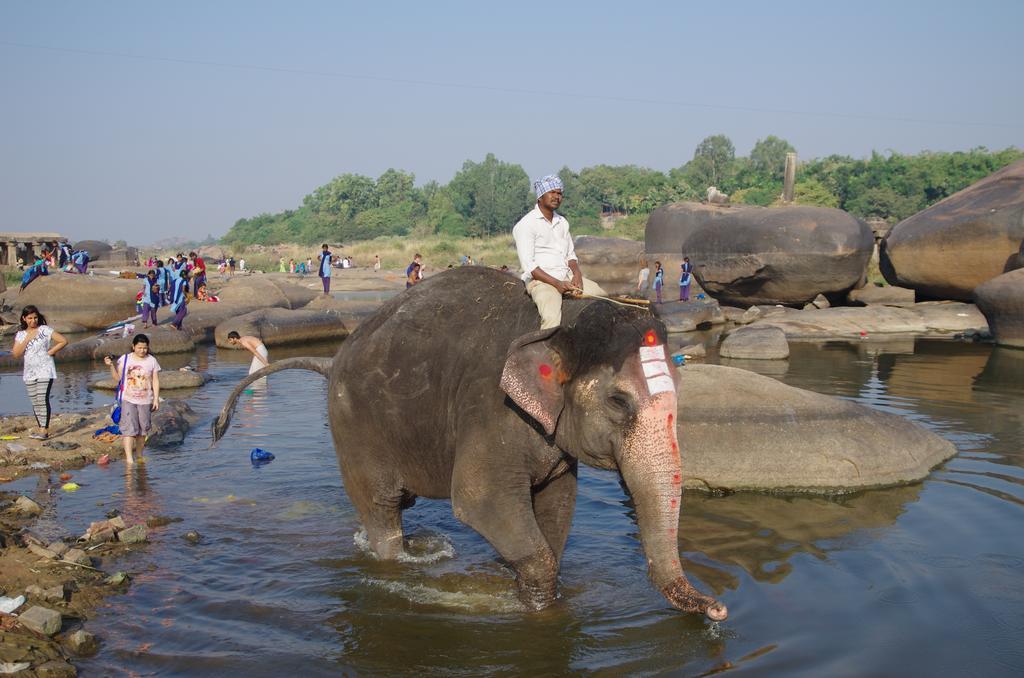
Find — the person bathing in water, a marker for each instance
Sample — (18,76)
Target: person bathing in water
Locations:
(261,358)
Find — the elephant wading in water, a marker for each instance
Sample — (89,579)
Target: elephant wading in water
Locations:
(450,391)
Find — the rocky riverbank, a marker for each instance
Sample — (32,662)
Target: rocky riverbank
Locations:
(50,587)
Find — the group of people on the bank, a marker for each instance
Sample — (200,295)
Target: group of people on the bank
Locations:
(172,284)
(685,279)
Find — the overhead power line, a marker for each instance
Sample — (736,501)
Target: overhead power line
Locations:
(511,90)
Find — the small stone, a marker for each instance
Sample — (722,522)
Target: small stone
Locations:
(192,537)
(749,316)
(55,594)
(82,643)
(133,535)
(34,591)
(27,537)
(56,668)
(27,506)
(58,547)
(41,620)
(117,522)
(78,556)
(112,513)
(102,536)
(42,552)
(117,579)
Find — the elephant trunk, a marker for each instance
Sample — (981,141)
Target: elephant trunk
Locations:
(650,465)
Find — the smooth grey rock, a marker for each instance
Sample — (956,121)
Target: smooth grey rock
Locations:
(27,506)
(949,249)
(133,535)
(277,326)
(755,343)
(55,594)
(743,431)
(693,351)
(687,316)
(750,315)
(192,537)
(169,380)
(41,620)
(171,423)
(929,319)
(1002,301)
(93,302)
(82,643)
(886,295)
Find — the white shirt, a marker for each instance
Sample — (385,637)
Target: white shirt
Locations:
(544,244)
(38,361)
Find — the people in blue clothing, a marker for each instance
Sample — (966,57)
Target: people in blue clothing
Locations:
(325,268)
(179,303)
(659,279)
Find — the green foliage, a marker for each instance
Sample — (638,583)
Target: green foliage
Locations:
(487,198)
(812,192)
(490,195)
(768,157)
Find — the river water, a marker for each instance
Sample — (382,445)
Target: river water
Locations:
(926,579)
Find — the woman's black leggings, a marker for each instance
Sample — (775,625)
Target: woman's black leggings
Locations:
(39,394)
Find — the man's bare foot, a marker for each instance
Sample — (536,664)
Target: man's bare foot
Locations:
(129,461)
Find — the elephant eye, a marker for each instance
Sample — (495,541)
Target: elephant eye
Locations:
(621,403)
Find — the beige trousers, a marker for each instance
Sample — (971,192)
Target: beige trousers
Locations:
(549,301)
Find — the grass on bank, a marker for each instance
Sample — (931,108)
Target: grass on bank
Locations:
(438,250)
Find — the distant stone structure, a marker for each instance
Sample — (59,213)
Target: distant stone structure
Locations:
(25,246)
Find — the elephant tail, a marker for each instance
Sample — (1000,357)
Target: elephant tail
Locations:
(223,420)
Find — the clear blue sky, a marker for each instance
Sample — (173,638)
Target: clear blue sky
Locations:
(143,120)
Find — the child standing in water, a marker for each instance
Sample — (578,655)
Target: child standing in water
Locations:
(140,394)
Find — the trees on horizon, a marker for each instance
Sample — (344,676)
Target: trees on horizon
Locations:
(488,197)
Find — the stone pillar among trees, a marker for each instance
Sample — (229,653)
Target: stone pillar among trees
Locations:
(789,181)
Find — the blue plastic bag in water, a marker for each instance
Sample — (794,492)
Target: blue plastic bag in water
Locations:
(259,457)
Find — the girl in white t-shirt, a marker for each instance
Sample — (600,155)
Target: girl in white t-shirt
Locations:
(38,342)
(140,394)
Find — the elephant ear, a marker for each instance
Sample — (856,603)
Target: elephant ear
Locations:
(534,373)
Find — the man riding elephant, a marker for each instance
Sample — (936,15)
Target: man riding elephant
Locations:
(547,256)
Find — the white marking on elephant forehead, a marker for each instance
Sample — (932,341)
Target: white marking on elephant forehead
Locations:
(655,368)
(652,353)
(662,384)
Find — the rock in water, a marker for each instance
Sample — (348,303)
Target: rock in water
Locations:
(742,431)
(1002,301)
(947,250)
(756,342)
(746,255)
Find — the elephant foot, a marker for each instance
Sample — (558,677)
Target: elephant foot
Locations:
(536,581)
(684,597)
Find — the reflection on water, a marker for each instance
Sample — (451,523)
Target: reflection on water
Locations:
(815,585)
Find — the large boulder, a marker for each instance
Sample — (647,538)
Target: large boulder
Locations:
(613,263)
(754,255)
(743,431)
(927,319)
(351,312)
(97,249)
(947,250)
(264,292)
(1002,301)
(755,342)
(162,340)
(278,326)
(93,302)
(169,380)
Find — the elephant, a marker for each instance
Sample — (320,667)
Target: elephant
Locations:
(449,391)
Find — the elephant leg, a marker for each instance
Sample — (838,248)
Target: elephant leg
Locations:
(500,509)
(554,504)
(380,511)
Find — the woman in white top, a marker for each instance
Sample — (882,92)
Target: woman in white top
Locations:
(38,342)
